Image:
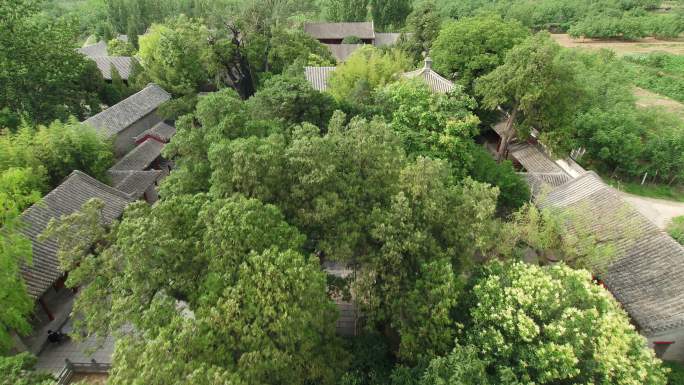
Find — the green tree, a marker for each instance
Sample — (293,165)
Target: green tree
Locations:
(184,56)
(291,100)
(431,124)
(389,14)
(15,250)
(252,310)
(423,26)
(365,70)
(177,56)
(527,324)
(513,189)
(43,78)
(118,47)
(18,370)
(472,47)
(537,88)
(426,238)
(345,10)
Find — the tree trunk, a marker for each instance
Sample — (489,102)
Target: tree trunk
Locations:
(234,69)
(508,134)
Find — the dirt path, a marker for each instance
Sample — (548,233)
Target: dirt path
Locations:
(659,211)
(647,98)
(623,47)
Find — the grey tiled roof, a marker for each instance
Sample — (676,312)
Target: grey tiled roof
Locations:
(387,38)
(123,64)
(647,276)
(342,51)
(534,159)
(140,157)
(134,183)
(363,30)
(318,76)
(434,80)
(162,131)
(542,182)
(94,50)
(65,199)
(123,114)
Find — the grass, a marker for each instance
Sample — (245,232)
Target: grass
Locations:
(658,72)
(672,193)
(676,231)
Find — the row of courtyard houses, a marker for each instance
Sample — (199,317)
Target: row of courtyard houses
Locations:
(333,35)
(139,135)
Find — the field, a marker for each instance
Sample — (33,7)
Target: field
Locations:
(621,48)
(647,98)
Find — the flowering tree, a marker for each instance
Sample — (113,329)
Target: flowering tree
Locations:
(545,325)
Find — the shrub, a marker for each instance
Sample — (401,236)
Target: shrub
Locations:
(676,231)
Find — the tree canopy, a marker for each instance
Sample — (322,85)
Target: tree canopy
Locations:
(43,78)
(472,47)
(544,325)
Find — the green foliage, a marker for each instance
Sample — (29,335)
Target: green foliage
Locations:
(659,72)
(604,26)
(371,362)
(118,47)
(423,25)
(545,325)
(431,124)
(18,370)
(537,87)
(558,15)
(43,78)
(290,46)
(291,100)
(676,375)
(389,15)
(345,10)
(513,190)
(676,229)
(177,56)
(426,236)
(352,40)
(15,250)
(253,310)
(551,235)
(470,48)
(365,70)
(35,160)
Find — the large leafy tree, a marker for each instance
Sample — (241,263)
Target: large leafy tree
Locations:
(426,238)
(431,124)
(527,324)
(389,14)
(43,78)
(472,47)
(184,56)
(423,26)
(291,100)
(231,297)
(535,85)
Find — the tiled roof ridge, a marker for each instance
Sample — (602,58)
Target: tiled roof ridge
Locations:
(96,183)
